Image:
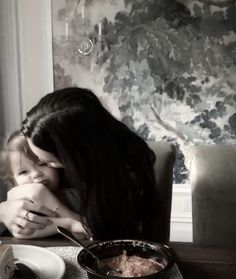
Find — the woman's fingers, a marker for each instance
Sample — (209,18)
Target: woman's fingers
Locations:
(39,210)
(28,219)
(16,229)
(34,218)
(32,224)
(22,226)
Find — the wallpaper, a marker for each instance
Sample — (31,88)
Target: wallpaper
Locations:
(165,68)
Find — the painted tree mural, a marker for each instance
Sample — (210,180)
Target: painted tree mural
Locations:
(169,67)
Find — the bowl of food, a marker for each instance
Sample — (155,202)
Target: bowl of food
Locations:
(127,259)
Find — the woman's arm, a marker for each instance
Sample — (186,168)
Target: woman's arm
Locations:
(40,195)
(69,223)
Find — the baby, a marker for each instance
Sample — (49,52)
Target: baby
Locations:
(23,169)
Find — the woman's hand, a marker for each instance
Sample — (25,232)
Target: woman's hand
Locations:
(22,205)
(16,216)
(72,225)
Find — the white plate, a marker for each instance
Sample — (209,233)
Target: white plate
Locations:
(46,264)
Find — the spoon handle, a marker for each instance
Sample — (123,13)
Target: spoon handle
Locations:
(104,268)
(70,236)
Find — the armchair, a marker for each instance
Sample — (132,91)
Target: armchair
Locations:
(213,182)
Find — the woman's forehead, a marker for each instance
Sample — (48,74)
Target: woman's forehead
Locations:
(45,156)
(40,153)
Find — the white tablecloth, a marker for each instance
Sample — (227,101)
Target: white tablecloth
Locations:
(69,254)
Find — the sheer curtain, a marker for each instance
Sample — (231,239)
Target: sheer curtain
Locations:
(26,67)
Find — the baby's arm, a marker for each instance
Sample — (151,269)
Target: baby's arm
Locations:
(48,231)
(73,225)
(39,194)
(36,193)
(69,223)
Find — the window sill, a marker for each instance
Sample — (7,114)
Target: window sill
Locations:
(181,214)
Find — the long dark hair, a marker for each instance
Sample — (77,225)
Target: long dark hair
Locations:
(110,165)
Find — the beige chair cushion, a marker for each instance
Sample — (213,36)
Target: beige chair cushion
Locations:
(213,182)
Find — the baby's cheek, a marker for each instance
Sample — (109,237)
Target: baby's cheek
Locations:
(23,180)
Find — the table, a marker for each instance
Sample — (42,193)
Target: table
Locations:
(194,262)
(205,262)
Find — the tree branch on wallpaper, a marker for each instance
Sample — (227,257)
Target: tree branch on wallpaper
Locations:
(168,127)
(219,3)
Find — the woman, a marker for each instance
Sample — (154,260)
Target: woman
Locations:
(109,165)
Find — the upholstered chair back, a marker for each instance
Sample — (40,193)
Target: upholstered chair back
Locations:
(213,183)
(165,159)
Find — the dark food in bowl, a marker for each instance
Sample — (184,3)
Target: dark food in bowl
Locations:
(22,271)
(133,266)
(144,254)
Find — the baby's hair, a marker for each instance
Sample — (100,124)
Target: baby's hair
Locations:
(15,142)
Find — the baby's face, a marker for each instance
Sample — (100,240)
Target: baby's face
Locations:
(26,171)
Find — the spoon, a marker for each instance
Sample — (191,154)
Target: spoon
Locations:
(70,236)
(102,267)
